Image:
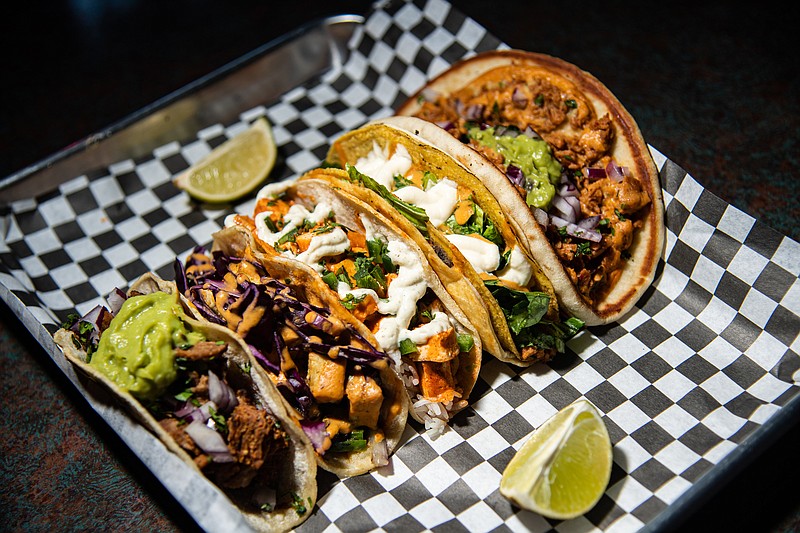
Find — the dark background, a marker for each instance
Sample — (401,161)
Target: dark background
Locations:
(714,86)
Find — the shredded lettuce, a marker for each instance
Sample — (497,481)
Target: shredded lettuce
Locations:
(525,313)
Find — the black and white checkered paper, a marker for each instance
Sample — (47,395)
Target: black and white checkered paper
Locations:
(704,363)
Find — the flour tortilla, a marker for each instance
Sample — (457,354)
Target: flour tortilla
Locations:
(297,474)
(235,241)
(629,150)
(314,187)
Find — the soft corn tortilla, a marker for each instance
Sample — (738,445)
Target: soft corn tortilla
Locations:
(235,241)
(298,474)
(315,187)
(458,276)
(629,149)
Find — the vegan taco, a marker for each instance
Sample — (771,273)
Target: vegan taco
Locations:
(382,278)
(341,389)
(467,238)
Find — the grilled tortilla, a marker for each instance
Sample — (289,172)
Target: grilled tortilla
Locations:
(382,278)
(465,235)
(265,464)
(602,260)
(340,388)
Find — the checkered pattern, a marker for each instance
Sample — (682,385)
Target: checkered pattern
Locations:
(707,358)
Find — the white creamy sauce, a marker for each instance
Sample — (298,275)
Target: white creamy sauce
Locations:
(293,219)
(400,305)
(382,168)
(484,256)
(518,270)
(419,336)
(439,201)
(275,189)
(344,289)
(324,245)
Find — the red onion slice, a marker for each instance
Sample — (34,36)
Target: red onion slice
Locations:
(209,441)
(615,172)
(380,453)
(541,216)
(566,209)
(576,231)
(221,394)
(568,189)
(115,301)
(595,173)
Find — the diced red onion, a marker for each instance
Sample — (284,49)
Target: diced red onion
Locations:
(515,175)
(541,216)
(519,99)
(615,172)
(589,222)
(115,300)
(209,441)
(576,231)
(473,111)
(316,433)
(528,131)
(568,189)
(568,209)
(221,394)
(595,173)
(190,413)
(380,453)
(445,124)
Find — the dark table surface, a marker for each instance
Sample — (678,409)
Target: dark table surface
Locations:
(715,88)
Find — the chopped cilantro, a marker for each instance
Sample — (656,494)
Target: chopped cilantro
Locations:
(620,215)
(570,103)
(583,248)
(539,100)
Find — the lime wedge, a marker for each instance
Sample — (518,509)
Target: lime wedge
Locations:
(564,467)
(232,169)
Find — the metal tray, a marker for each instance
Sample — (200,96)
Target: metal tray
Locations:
(218,98)
(323,50)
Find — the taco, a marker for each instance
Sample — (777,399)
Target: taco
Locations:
(384,281)
(462,230)
(193,384)
(567,163)
(341,389)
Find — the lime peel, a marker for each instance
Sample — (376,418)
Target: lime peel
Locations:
(564,467)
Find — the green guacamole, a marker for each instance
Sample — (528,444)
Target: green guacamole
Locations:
(533,156)
(137,351)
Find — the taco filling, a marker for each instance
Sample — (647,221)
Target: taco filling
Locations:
(383,284)
(504,268)
(328,373)
(543,133)
(203,400)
